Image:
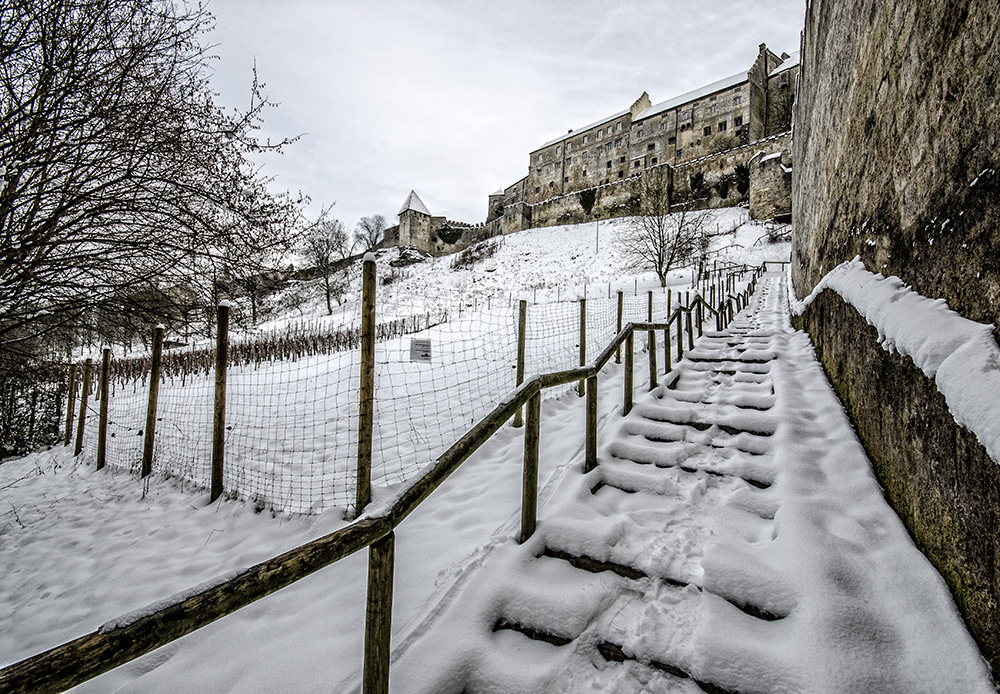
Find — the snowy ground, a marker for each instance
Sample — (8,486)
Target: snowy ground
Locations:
(745,544)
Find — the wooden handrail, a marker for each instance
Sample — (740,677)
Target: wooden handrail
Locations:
(137,633)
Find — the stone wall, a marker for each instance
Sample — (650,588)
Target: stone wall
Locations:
(771,185)
(895,152)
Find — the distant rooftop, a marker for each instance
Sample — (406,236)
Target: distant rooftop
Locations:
(790,62)
(693,95)
(413,202)
(718,86)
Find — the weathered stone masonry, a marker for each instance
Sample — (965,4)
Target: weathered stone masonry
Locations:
(896,150)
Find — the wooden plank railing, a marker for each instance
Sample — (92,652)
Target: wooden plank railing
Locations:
(135,634)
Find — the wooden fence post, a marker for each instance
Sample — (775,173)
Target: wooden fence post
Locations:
(621,310)
(591,448)
(70,404)
(529,477)
(690,331)
(582,387)
(219,421)
(102,429)
(680,334)
(522,321)
(84,394)
(154,393)
(378,615)
(366,411)
(667,366)
(629,357)
(701,315)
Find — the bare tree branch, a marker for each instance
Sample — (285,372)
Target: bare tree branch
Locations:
(120,177)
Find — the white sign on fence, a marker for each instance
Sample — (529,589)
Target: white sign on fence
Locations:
(420,349)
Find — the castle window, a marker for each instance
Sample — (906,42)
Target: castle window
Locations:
(539,158)
(586,155)
(621,174)
(712,109)
(680,152)
(618,142)
(600,148)
(671,140)
(585,139)
(639,134)
(737,121)
(551,185)
(569,160)
(609,164)
(538,189)
(618,127)
(559,149)
(584,172)
(635,164)
(653,160)
(621,160)
(686,115)
(650,147)
(722,126)
(569,146)
(565,179)
(784,77)
(712,98)
(558,164)
(708,130)
(737,100)
(663,125)
(600,133)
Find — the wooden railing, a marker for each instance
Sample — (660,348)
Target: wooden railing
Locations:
(135,634)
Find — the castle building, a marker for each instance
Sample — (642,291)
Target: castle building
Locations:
(705,139)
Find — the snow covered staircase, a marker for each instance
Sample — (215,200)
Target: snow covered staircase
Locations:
(732,540)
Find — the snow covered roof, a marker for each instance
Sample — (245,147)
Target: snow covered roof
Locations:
(789,63)
(499,192)
(724,83)
(413,202)
(581,130)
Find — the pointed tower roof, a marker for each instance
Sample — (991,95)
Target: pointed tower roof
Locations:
(413,202)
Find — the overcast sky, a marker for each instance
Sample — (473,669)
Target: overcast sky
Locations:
(448,97)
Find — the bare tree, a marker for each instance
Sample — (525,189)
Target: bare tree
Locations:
(327,245)
(120,177)
(370,230)
(656,239)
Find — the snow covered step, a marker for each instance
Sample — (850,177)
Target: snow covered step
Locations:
(706,462)
(729,419)
(665,432)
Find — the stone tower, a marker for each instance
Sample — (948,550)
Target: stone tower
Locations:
(414,223)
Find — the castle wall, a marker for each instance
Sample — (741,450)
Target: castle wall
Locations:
(895,160)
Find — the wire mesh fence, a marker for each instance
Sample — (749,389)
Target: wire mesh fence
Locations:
(291,405)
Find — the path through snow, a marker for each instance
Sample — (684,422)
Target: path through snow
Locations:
(732,539)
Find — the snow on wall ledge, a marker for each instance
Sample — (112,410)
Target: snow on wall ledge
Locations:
(960,355)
